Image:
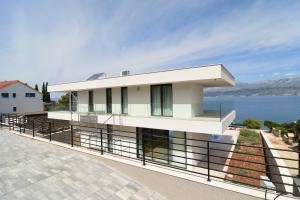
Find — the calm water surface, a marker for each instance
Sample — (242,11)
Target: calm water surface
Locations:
(275,108)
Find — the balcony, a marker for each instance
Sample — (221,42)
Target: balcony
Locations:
(206,117)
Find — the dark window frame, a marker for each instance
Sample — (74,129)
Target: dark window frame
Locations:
(30,95)
(109,101)
(5,95)
(161,100)
(14,95)
(91,101)
(15,109)
(123,89)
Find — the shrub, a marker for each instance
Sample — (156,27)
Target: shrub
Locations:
(252,123)
(249,136)
(270,124)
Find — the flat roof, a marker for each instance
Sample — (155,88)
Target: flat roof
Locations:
(209,76)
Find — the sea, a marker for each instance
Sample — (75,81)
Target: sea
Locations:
(275,108)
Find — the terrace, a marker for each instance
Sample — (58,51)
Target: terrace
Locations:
(196,168)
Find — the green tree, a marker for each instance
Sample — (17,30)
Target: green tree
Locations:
(47,94)
(36,87)
(64,99)
(252,123)
(43,92)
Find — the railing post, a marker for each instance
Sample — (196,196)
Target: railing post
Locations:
(32,128)
(72,136)
(208,162)
(50,137)
(101,137)
(143,146)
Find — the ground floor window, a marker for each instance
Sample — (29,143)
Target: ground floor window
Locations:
(163,146)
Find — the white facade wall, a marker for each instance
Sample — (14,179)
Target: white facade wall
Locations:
(139,100)
(23,104)
(100,100)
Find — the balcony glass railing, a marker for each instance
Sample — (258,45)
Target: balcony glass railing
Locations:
(206,109)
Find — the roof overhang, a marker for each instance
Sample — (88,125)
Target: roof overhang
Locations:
(208,76)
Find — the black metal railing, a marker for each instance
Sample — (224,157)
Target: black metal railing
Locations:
(212,159)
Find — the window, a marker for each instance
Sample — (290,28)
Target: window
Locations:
(4,95)
(108,100)
(124,100)
(14,109)
(14,95)
(74,100)
(91,101)
(162,100)
(29,94)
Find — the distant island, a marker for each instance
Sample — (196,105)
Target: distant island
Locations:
(281,87)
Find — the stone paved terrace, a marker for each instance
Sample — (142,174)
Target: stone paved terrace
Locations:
(32,169)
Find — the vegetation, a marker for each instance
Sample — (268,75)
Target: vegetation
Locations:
(284,127)
(248,136)
(36,87)
(64,99)
(46,94)
(252,123)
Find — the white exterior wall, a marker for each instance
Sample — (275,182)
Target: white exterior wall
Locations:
(83,99)
(187,98)
(100,100)
(139,100)
(23,104)
(116,100)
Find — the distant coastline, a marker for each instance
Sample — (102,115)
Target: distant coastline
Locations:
(281,87)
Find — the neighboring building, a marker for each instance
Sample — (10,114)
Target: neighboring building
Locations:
(165,103)
(18,97)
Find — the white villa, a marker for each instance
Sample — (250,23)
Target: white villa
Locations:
(18,97)
(166,104)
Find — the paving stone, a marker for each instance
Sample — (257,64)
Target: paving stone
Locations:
(30,169)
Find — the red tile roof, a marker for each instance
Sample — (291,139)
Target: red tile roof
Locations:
(4,84)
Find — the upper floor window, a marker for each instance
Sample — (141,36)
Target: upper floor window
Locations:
(91,101)
(14,95)
(29,94)
(14,109)
(124,100)
(108,100)
(4,95)
(162,100)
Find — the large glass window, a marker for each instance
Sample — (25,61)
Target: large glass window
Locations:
(124,100)
(108,100)
(162,100)
(91,101)
(163,146)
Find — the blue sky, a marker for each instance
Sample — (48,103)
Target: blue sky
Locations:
(68,40)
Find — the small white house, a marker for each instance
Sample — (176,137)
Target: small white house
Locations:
(18,97)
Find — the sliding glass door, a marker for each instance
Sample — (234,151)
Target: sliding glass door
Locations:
(162,146)
(108,100)
(162,100)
